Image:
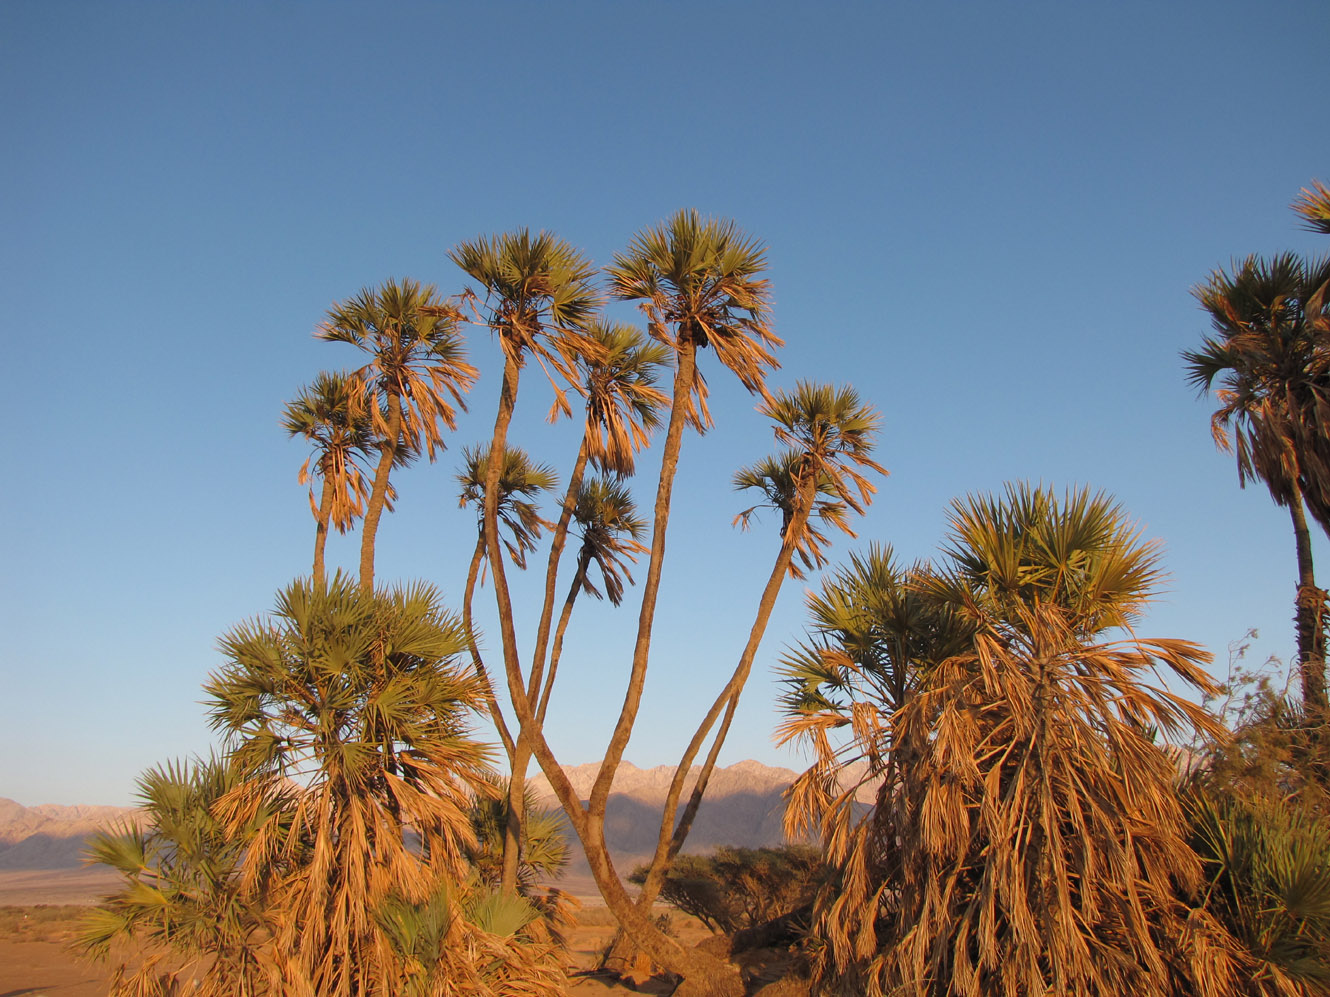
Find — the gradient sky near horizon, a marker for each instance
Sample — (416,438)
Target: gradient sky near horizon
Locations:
(987,217)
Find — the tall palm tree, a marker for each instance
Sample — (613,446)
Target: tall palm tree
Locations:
(520,479)
(349,713)
(416,365)
(538,299)
(830,435)
(1314,206)
(333,416)
(1271,360)
(1026,836)
(699,283)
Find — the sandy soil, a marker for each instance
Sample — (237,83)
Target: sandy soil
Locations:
(35,959)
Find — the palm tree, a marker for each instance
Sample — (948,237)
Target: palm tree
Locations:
(417,363)
(612,533)
(699,283)
(831,435)
(331,416)
(520,479)
(181,911)
(538,300)
(1267,879)
(1272,361)
(1314,207)
(1025,835)
(348,713)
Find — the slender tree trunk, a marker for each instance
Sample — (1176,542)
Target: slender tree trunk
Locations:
(556,652)
(700,970)
(623,729)
(671,837)
(477,662)
(512,843)
(1309,617)
(321,529)
(519,760)
(379,493)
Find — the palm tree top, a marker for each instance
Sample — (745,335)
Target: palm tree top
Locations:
(836,428)
(520,480)
(612,534)
(1313,204)
(1027,548)
(416,353)
(623,404)
(700,279)
(539,298)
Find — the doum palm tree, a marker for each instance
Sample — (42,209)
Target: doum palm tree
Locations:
(999,710)
(1269,362)
(333,415)
(416,365)
(350,715)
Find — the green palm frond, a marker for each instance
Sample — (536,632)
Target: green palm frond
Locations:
(698,279)
(417,357)
(520,479)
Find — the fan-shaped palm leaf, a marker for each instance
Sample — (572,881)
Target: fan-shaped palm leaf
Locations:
(416,365)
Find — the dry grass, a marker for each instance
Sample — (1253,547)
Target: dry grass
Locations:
(43,923)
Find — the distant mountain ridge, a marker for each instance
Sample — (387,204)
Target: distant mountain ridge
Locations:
(744,806)
(51,836)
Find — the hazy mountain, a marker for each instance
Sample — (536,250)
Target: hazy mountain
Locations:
(50,836)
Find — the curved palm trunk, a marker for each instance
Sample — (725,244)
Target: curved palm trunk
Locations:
(321,530)
(699,969)
(520,759)
(556,652)
(671,837)
(379,494)
(1309,617)
(512,844)
(477,662)
(683,386)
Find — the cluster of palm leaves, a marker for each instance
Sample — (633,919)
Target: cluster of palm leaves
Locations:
(339,848)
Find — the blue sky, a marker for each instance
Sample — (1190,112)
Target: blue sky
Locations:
(986,217)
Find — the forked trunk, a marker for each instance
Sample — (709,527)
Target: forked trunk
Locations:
(477,662)
(520,759)
(378,495)
(321,529)
(1309,617)
(671,837)
(702,972)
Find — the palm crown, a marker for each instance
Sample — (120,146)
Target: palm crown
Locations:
(697,279)
(332,414)
(416,357)
(520,479)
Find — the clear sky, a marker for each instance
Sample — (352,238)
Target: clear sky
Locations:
(987,217)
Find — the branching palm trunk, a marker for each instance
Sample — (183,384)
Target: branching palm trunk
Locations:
(522,756)
(321,530)
(1309,618)
(378,496)
(671,837)
(477,662)
(589,822)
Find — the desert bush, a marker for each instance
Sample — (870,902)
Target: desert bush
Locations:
(737,888)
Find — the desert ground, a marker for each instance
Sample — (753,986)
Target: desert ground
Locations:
(39,913)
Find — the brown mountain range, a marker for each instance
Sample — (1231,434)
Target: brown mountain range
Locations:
(743,806)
